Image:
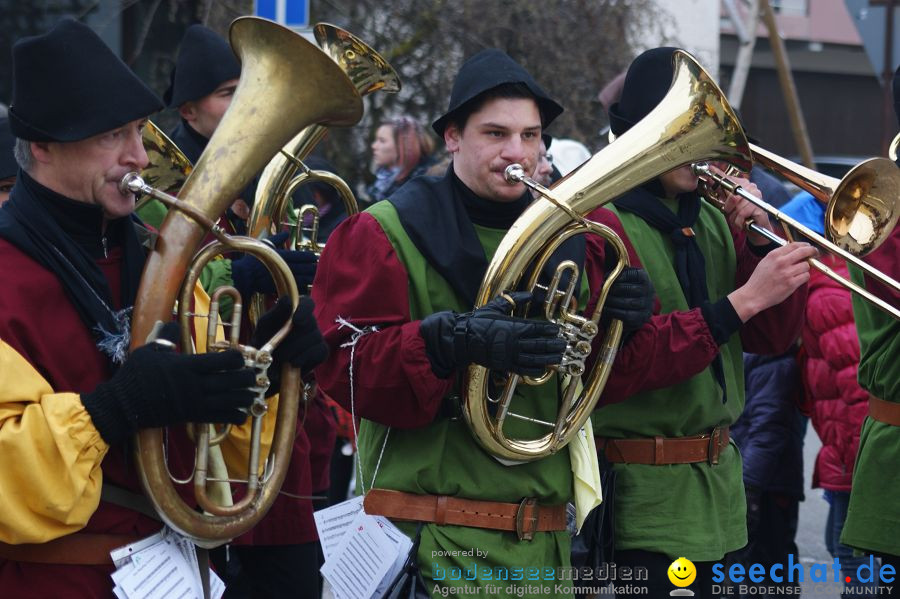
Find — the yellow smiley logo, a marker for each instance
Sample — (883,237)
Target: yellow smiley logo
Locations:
(682,572)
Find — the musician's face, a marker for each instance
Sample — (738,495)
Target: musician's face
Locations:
(6,186)
(205,114)
(504,131)
(90,170)
(679,180)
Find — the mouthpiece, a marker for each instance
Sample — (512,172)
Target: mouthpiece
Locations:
(131,183)
(514,173)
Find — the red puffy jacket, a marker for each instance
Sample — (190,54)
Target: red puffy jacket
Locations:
(838,405)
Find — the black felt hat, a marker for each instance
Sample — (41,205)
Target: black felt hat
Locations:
(896,90)
(68,85)
(8,166)
(205,61)
(485,71)
(646,83)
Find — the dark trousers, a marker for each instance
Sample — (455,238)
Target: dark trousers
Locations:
(269,571)
(771,532)
(657,565)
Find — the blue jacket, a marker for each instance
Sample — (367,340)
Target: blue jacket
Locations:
(769,432)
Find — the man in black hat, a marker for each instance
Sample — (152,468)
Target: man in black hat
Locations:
(71,260)
(398,284)
(678,384)
(874,512)
(279,556)
(8,166)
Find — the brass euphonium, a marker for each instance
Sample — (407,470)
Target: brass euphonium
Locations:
(692,122)
(369,73)
(286,83)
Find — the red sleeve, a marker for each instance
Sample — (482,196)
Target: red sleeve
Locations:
(772,331)
(680,340)
(361,279)
(885,259)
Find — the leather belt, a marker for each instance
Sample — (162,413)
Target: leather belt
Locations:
(658,451)
(884,411)
(524,518)
(77,549)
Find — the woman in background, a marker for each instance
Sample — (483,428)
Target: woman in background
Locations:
(401,150)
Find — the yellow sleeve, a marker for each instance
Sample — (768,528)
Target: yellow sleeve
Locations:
(236,448)
(50,476)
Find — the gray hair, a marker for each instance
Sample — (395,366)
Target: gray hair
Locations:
(22,152)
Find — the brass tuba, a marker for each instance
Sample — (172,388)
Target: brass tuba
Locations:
(692,122)
(369,73)
(286,83)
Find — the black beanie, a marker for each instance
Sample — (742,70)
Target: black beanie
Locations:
(896,89)
(647,82)
(205,61)
(485,71)
(68,85)
(8,166)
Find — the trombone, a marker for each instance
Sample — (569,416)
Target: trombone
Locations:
(860,216)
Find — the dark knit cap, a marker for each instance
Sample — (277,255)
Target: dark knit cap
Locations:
(485,71)
(8,166)
(205,61)
(68,85)
(896,87)
(646,83)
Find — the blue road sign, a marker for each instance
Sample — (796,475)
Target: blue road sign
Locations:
(290,13)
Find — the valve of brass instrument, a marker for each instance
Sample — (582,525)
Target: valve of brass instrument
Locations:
(560,308)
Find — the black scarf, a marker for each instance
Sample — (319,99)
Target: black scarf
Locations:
(53,230)
(438,215)
(690,264)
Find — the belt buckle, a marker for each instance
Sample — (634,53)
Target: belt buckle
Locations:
(712,452)
(521,518)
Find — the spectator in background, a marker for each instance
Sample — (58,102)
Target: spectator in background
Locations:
(8,166)
(401,150)
(324,197)
(837,404)
(769,434)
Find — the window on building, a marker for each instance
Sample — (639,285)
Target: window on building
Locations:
(791,7)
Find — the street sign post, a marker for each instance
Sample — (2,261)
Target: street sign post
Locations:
(290,13)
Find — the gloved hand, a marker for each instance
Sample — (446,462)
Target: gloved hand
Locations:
(249,275)
(303,347)
(491,338)
(630,300)
(157,387)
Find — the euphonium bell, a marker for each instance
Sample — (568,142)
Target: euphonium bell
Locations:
(369,73)
(692,122)
(286,83)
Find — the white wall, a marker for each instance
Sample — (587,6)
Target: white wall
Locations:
(689,24)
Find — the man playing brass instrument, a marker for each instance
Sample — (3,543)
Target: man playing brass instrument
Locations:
(678,384)
(71,259)
(404,275)
(873,516)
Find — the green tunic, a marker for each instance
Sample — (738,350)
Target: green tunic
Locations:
(873,517)
(693,510)
(444,459)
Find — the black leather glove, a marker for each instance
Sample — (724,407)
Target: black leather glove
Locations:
(630,300)
(303,347)
(249,275)
(491,338)
(157,387)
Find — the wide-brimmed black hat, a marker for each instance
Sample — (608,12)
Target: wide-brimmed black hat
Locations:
(8,166)
(485,71)
(646,83)
(896,90)
(205,61)
(68,85)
